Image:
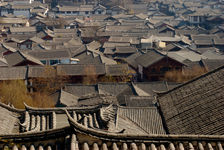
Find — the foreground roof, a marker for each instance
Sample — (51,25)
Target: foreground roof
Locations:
(94,128)
(187,117)
(195,107)
(9,119)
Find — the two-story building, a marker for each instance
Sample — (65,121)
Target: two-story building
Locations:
(82,10)
(21,10)
(197,18)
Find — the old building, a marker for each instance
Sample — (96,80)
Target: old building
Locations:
(111,126)
(153,65)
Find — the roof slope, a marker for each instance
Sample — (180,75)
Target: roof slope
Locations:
(196,107)
(212,64)
(18,57)
(68,99)
(13,73)
(131,59)
(147,118)
(45,55)
(149,58)
(8,120)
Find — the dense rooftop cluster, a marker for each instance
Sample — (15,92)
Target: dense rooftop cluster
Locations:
(168,34)
(110,65)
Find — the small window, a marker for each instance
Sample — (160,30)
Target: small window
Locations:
(44,62)
(29,46)
(153,70)
(75,12)
(86,12)
(200,19)
(195,18)
(73,62)
(164,69)
(65,61)
(177,68)
(52,62)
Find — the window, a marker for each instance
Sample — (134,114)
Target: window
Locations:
(29,46)
(65,61)
(164,69)
(75,12)
(86,12)
(200,19)
(153,70)
(195,18)
(178,68)
(44,62)
(52,62)
(74,62)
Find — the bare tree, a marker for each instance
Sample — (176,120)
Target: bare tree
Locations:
(185,74)
(15,93)
(90,76)
(50,81)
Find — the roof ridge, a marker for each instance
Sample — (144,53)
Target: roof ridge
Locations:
(11,108)
(30,108)
(22,55)
(139,91)
(146,107)
(118,135)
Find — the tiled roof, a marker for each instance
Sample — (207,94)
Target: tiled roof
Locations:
(13,73)
(151,125)
(114,44)
(81,69)
(18,57)
(149,58)
(54,54)
(22,29)
(125,49)
(131,60)
(196,106)
(68,99)
(8,120)
(117,69)
(212,64)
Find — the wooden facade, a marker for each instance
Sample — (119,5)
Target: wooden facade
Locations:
(157,70)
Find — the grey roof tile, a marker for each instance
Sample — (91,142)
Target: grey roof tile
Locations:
(196,106)
(9,121)
(68,99)
(51,54)
(149,58)
(151,125)
(81,69)
(12,73)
